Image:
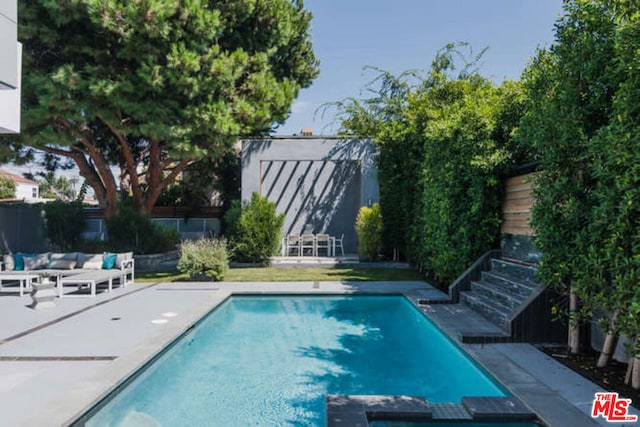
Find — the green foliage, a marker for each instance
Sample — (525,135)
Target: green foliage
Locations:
(444,142)
(582,119)
(50,186)
(232,217)
(129,230)
(7,188)
(369,230)
(204,257)
(220,175)
(64,224)
(258,231)
(153,86)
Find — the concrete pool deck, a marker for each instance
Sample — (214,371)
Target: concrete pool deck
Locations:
(57,362)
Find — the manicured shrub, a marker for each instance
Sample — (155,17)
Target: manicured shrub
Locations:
(231,218)
(256,237)
(64,223)
(207,258)
(369,230)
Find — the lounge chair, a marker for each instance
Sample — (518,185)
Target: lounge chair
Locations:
(92,278)
(60,266)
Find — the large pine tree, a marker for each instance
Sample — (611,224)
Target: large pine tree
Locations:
(153,85)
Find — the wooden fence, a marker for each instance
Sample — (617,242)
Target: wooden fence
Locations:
(516,207)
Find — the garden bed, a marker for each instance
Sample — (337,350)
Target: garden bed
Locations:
(610,378)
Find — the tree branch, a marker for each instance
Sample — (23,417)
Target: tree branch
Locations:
(130,162)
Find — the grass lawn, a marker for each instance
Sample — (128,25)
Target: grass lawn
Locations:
(294,274)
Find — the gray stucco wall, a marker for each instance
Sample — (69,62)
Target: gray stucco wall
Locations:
(319,183)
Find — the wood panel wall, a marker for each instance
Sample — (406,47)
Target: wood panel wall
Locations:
(516,207)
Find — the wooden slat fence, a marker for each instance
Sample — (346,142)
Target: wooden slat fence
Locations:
(516,207)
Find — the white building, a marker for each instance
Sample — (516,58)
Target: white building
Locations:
(26,189)
(10,67)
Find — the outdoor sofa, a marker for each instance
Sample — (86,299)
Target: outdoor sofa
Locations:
(70,268)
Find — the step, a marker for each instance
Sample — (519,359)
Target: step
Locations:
(492,310)
(515,270)
(497,293)
(509,283)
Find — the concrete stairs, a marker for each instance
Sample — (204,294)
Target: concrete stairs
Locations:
(502,292)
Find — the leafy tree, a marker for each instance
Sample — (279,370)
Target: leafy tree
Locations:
(582,120)
(64,223)
(50,186)
(7,188)
(444,140)
(151,87)
(220,176)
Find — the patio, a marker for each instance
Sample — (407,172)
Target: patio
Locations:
(57,362)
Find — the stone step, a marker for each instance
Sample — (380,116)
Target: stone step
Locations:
(492,310)
(517,271)
(497,293)
(509,283)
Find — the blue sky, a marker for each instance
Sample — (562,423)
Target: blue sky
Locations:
(403,35)
(406,34)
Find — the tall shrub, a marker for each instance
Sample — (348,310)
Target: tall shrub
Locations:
(130,230)
(258,231)
(64,224)
(369,230)
(572,89)
(445,140)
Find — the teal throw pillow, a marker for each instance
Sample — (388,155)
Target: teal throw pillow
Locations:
(19,260)
(109,261)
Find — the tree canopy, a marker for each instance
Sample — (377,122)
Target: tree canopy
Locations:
(152,86)
(582,118)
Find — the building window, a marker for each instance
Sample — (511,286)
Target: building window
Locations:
(34,192)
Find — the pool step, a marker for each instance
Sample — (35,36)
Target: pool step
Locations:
(497,293)
(508,283)
(489,308)
(501,291)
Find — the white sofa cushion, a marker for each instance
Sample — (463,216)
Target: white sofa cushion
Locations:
(72,256)
(89,261)
(37,262)
(9,263)
(63,264)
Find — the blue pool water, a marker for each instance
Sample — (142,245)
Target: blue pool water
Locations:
(271,361)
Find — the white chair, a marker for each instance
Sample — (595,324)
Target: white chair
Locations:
(338,244)
(323,242)
(308,241)
(293,242)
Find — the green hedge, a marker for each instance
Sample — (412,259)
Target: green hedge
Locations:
(257,231)
(444,144)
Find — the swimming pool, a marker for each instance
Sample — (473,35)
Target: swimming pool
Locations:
(262,360)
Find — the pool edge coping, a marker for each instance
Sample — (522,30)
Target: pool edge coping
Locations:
(109,379)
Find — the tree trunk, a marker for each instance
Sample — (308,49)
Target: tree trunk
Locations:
(635,376)
(574,326)
(632,376)
(610,342)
